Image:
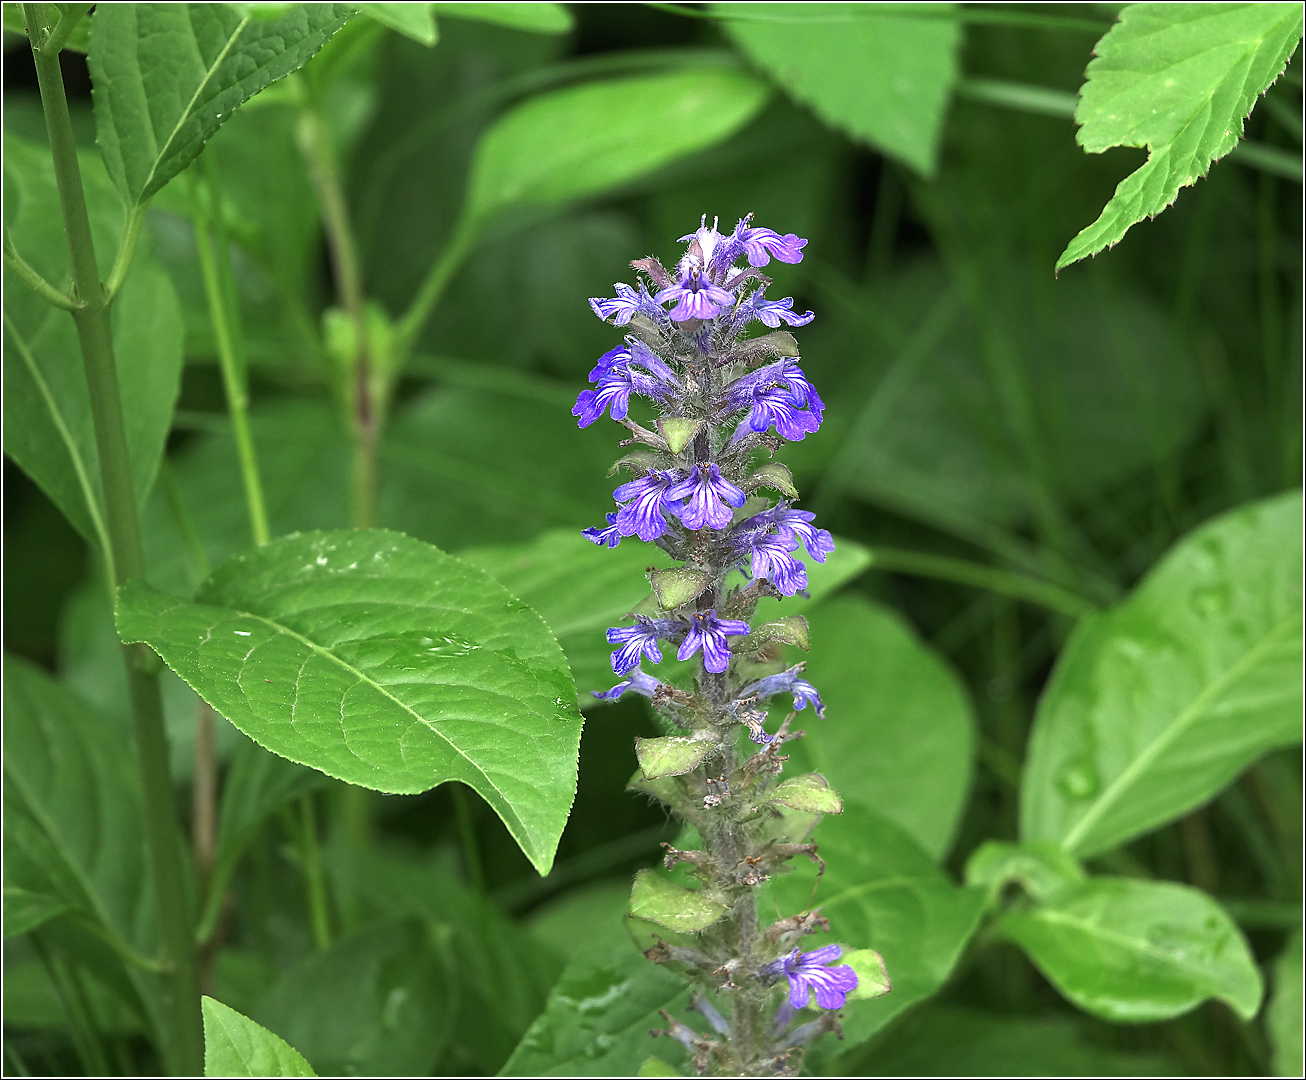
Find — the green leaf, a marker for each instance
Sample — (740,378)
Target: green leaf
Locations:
(881,891)
(1181,80)
(536,18)
(73,820)
(872,976)
(166,76)
(25,910)
(678,586)
(792,630)
(48,428)
(381,661)
(883,77)
(32,1001)
(416,21)
(654,1066)
(1137,951)
(899,732)
(78,40)
(599,1014)
(236,1046)
(811,794)
(773,475)
(377,1003)
(1041,869)
(678,431)
(1155,706)
(674,755)
(664,902)
(1283,1016)
(587,139)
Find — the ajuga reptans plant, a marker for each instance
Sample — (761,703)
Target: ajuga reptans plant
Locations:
(725,400)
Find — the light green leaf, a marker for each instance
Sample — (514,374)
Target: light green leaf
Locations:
(678,585)
(678,431)
(664,902)
(899,733)
(654,1066)
(1283,1016)
(1137,951)
(883,76)
(236,1046)
(25,910)
(1179,79)
(587,139)
(881,891)
(48,428)
(416,21)
(1155,706)
(166,76)
(377,1003)
(599,1014)
(792,630)
(674,755)
(1040,868)
(536,18)
(811,794)
(382,661)
(872,976)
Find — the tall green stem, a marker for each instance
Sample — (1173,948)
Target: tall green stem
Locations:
(185,1043)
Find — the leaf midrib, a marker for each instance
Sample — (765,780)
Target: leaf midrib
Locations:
(1163,741)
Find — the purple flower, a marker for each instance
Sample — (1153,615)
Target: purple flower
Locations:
(708,242)
(626,305)
(796,523)
(772,312)
(643,356)
(611,536)
(637,640)
(710,496)
(646,499)
(771,559)
(775,404)
(803,391)
(807,974)
(613,393)
(709,633)
(636,682)
(611,360)
(760,245)
(804,693)
(696,297)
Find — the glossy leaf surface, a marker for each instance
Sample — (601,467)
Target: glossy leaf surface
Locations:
(881,76)
(382,661)
(1179,79)
(167,75)
(1155,706)
(1135,951)
(236,1046)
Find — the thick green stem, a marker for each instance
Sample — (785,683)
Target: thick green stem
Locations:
(318,915)
(215,266)
(185,1043)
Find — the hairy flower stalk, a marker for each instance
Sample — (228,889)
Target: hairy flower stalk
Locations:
(724,401)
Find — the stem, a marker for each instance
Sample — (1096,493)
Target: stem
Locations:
(185,1050)
(226,328)
(32,277)
(131,233)
(316,884)
(433,285)
(467,832)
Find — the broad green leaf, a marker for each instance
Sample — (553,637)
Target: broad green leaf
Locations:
(899,733)
(381,661)
(664,902)
(1155,706)
(1283,1015)
(1180,80)
(811,794)
(587,139)
(377,1003)
(1136,951)
(881,891)
(32,1000)
(73,819)
(166,76)
(872,977)
(236,1046)
(537,18)
(48,427)
(882,76)
(674,755)
(499,974)
(1041,869)
(416,21)
(945,1040)
(25,910)
(599,1014)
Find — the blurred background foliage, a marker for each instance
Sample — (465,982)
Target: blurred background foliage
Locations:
(1068,429)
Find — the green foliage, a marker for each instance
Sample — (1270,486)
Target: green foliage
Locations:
(883,76)
(1158,704)
(1284,1013)
(380,660)
(236,1046)
(536,18)
(47,406)
(1180,80)
(1137,951)
(664,902)
(149,127)
(416,21)
(1039,868)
